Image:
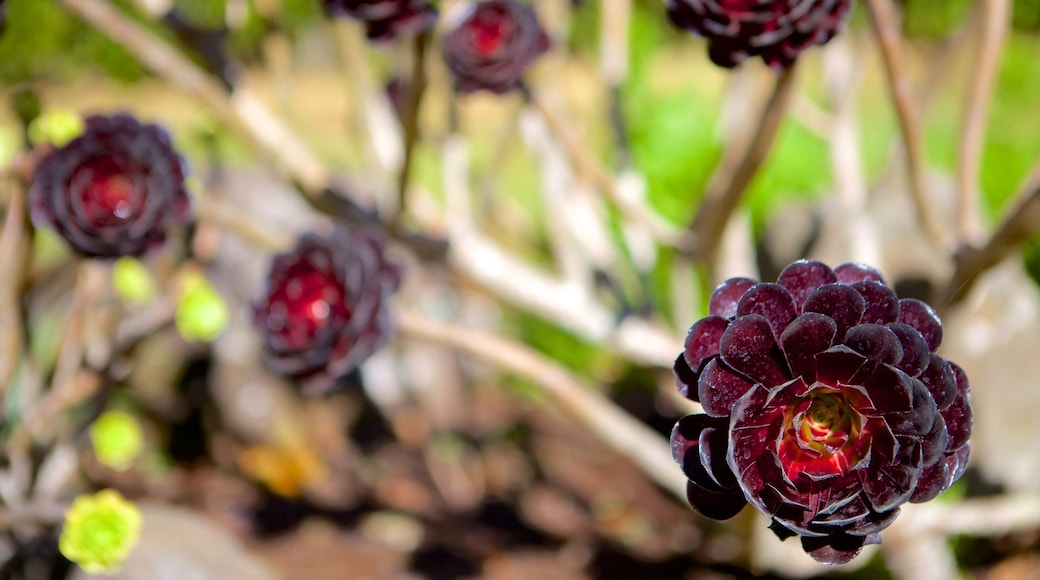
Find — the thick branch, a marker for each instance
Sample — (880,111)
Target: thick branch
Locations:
(606,421)
(718,205)
(996,20)
(886,27)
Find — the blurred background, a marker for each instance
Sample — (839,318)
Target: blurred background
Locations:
(554,224)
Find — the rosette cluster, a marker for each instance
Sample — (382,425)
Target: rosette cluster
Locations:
(324,310)
(385,19)
(114,190)
(826,407)
(493,45)
(776,30)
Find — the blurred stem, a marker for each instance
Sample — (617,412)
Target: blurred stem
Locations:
(1016,229)
(602,418)
(996,20)
(71,383)
(16,242)
(416,90)
(886,27)
(718,205)
(587,165)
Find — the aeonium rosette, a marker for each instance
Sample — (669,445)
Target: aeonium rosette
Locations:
(826,407)
(324,310)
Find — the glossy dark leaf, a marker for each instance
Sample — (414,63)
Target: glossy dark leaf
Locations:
(851,273)
(771,301)
(803,339)
(749,348)
(718,389)
(724,299)
(882,305)
(924,319)
(842,303)
(916,355)
(803,277)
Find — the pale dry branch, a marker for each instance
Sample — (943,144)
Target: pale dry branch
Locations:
(1017,228)
(587,165)
(718,205)
(607,422)
(993,30)
(15,245)
(242,107)
(886,27)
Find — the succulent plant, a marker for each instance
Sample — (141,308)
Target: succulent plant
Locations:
(776,30)
(100,531)
(385,19)
(324,310)
(114,190)
(826,407)
(493,45)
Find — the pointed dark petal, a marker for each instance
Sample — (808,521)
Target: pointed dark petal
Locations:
(712,446)
(702,340)
(915,349)
(717,505)
(685,378)
(807,335)
(842,303)
(781,531)
(749,348)
(704,466)
(888,484)
(771,301)
(719,388)
(958,461)
(939,378)
(889,389)
(879,344)
(803,277)
(882,305)
(833,550)
(724,299)
(934,480)
(850,273)
(838,364)
(959,422)
(924,319)
(933,444)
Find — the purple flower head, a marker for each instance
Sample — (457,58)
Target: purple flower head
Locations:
(112,191)
(776,30)
(825,404)
(385,19)
(324,310)
(493,45)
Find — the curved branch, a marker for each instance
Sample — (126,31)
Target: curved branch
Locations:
(718,205)
(996,20)
(887,29)
(616,428)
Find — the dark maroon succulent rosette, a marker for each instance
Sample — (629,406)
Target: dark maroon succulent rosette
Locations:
(825,405)
(324,310)
(776,30)
(385,19)
(114,190)
(493,45)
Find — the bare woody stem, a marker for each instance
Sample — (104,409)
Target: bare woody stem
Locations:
(607,422)
(1020,224)
(886,28)
(993,30)
(588,166)
(15,244)
(416,90)
(718,205)
(241,107)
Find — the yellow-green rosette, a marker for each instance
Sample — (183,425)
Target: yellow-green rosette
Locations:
(56,127)
(117,439)
(202,313)
(133,282)
(100,531)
